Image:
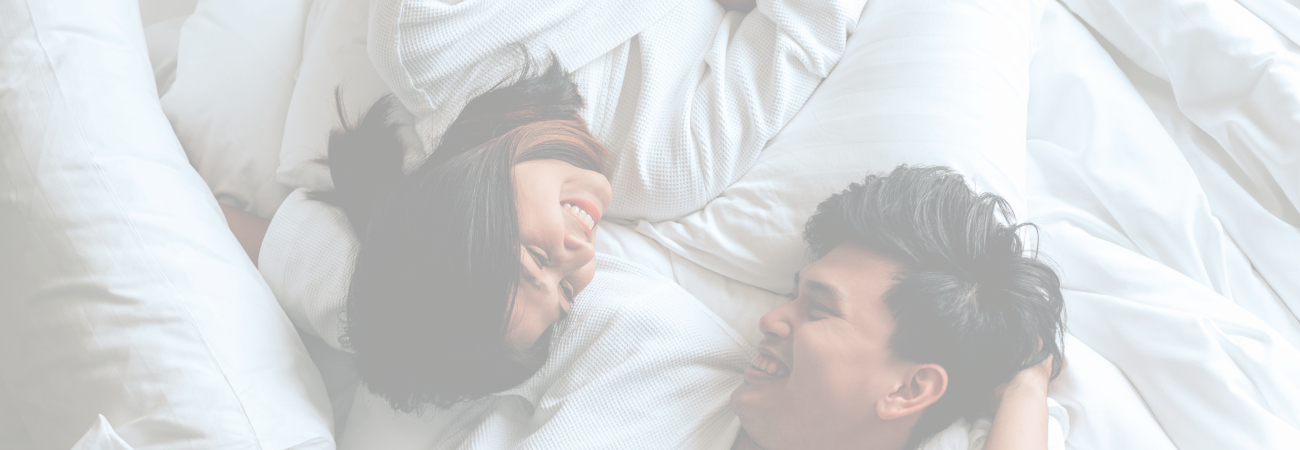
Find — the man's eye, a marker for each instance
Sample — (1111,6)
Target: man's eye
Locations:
(814,308)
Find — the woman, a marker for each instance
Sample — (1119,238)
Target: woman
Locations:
(466,263)
(493,233)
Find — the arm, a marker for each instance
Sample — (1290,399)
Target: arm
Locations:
(1021,420)
(438,54)
(248,229)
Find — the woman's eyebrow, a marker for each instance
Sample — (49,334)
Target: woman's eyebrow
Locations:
(532,279)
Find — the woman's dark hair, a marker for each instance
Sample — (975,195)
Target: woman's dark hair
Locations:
(439,261)
(967,299)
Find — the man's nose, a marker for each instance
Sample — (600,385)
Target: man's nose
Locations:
(775,325)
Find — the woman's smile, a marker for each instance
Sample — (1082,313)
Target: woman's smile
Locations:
(584,211)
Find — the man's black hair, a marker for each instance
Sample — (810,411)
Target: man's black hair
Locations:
(968,297)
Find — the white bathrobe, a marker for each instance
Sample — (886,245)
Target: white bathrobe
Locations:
(639,364)
(684,93)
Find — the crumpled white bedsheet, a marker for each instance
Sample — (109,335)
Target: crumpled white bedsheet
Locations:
(1139,220)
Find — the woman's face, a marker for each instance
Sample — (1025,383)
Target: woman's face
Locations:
(558,206)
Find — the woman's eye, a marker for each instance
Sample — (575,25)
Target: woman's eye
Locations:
(568,291)
(539,258)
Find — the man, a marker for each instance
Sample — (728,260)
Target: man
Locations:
(919,306)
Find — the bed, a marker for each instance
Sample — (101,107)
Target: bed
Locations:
(1155,144)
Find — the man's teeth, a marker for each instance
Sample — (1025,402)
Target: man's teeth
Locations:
(581,215)
(771,367)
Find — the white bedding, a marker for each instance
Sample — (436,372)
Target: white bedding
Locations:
(124,298)
(1150,275)
(1166,193)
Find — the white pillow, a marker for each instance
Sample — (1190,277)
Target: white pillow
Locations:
(936,82)
(163,38)
(334,57)
(124,292)
(234,77)
(12,431)
(154,11)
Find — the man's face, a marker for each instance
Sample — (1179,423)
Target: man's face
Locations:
(824,360)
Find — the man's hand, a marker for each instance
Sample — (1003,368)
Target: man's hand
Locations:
(1029,382)
(1021,419)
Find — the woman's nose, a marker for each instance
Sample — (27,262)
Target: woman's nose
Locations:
(578,250)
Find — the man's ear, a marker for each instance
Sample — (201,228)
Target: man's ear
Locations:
(921,389)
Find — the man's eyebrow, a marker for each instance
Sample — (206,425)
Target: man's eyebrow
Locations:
(823,288)
(819,287)
(829,296)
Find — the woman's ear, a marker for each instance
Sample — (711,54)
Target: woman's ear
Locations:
(925,385)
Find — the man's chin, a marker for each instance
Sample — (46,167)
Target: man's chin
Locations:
(746,400)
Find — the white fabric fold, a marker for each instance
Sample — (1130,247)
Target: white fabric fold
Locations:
(101,436)
(1232,74)
(1149,273)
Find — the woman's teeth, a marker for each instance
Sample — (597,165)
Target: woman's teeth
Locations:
(771,367)
(581,215)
